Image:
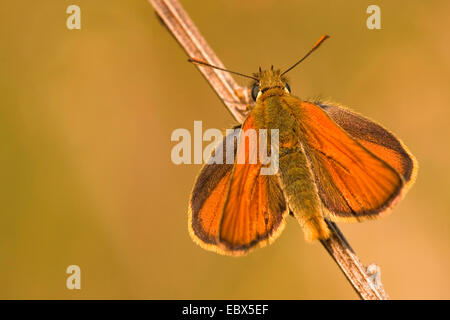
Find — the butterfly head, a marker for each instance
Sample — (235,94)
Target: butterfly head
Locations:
(267,80)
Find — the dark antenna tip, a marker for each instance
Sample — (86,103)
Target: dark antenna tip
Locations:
(318,43)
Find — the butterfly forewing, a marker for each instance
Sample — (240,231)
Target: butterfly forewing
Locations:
(376,139)
(233,208)
(353,182)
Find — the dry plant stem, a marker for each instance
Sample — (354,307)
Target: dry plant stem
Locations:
(190,39)
(356,273)
(233,96)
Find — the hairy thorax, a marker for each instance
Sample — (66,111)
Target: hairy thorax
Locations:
(272,112)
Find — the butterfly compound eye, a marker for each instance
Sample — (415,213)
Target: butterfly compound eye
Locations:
(255,91)
(288,87)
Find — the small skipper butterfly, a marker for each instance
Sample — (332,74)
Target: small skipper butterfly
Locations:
(333,164)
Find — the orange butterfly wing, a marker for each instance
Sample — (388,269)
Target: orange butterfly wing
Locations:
(353,183)
(233,208)
(376,139)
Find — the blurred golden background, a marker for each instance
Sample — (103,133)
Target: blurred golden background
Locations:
(85,123)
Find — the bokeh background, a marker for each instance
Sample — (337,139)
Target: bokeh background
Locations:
(85,123)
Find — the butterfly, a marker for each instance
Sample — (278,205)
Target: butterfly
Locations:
(334,164)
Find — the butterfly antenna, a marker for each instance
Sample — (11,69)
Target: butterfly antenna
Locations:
(218,68)
(318,43)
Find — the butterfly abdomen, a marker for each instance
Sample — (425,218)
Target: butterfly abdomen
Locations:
(301,193)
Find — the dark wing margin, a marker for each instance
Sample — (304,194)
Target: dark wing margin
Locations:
(210,191)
